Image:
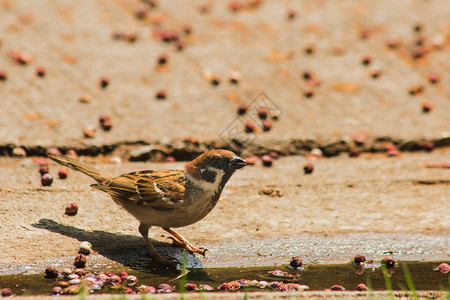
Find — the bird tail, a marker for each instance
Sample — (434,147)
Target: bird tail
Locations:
(76,165)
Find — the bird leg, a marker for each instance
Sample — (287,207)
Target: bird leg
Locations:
(181,241)
(143,230)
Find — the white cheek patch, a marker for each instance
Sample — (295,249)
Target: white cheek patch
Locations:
(206,186)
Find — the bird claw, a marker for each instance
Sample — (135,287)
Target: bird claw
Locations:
(189,247)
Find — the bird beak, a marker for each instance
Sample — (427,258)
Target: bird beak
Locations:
(237,162)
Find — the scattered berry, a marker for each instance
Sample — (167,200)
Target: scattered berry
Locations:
(6,292)
(3,75)
(51,272)
(309,93)
(267,160)
(43,169)
(427,107)
(362,287)
(433,78)
(62,173)
(262,113)
(359,258)
(388,261)
(105,122)
(250,127)
(104,82)
(366,60)
(296,262)
(161,95)
(46,180)
(165,288)
(443,268)
(163,59)
(191,287)
(71,209)
(291,13)
(308,168)
(337,287)
(266,125)
(40,71)
(242,110)
(80,261)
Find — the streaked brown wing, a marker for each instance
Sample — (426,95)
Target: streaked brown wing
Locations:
(162,190)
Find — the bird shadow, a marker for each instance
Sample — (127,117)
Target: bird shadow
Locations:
(127,250)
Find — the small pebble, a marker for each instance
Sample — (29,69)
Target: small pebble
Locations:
(80,261)
(80,272)
(85,248)
(19,152)
(89,132)
(224,287)
(71,209)
(46,180)
(169,159)
(85,99)
(63,173)
(308,168)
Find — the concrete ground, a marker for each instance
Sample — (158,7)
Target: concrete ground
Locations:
(370,76)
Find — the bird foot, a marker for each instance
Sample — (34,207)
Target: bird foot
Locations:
(188,246)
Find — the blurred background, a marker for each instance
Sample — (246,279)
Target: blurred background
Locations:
(190,75)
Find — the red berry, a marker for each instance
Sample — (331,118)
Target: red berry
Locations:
(80,260)
(63,173)
(71,209)
(267,160)
(104,82)
(46,180)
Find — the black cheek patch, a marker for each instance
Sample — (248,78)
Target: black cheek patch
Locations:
(209,175)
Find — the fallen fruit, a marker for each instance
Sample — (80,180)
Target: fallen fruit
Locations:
(71,209)
(46,179)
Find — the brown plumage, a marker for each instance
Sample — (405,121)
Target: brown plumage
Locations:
(166,198)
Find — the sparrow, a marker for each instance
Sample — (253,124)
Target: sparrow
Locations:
(166,198)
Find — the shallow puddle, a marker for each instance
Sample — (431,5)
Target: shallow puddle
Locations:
(317,277)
